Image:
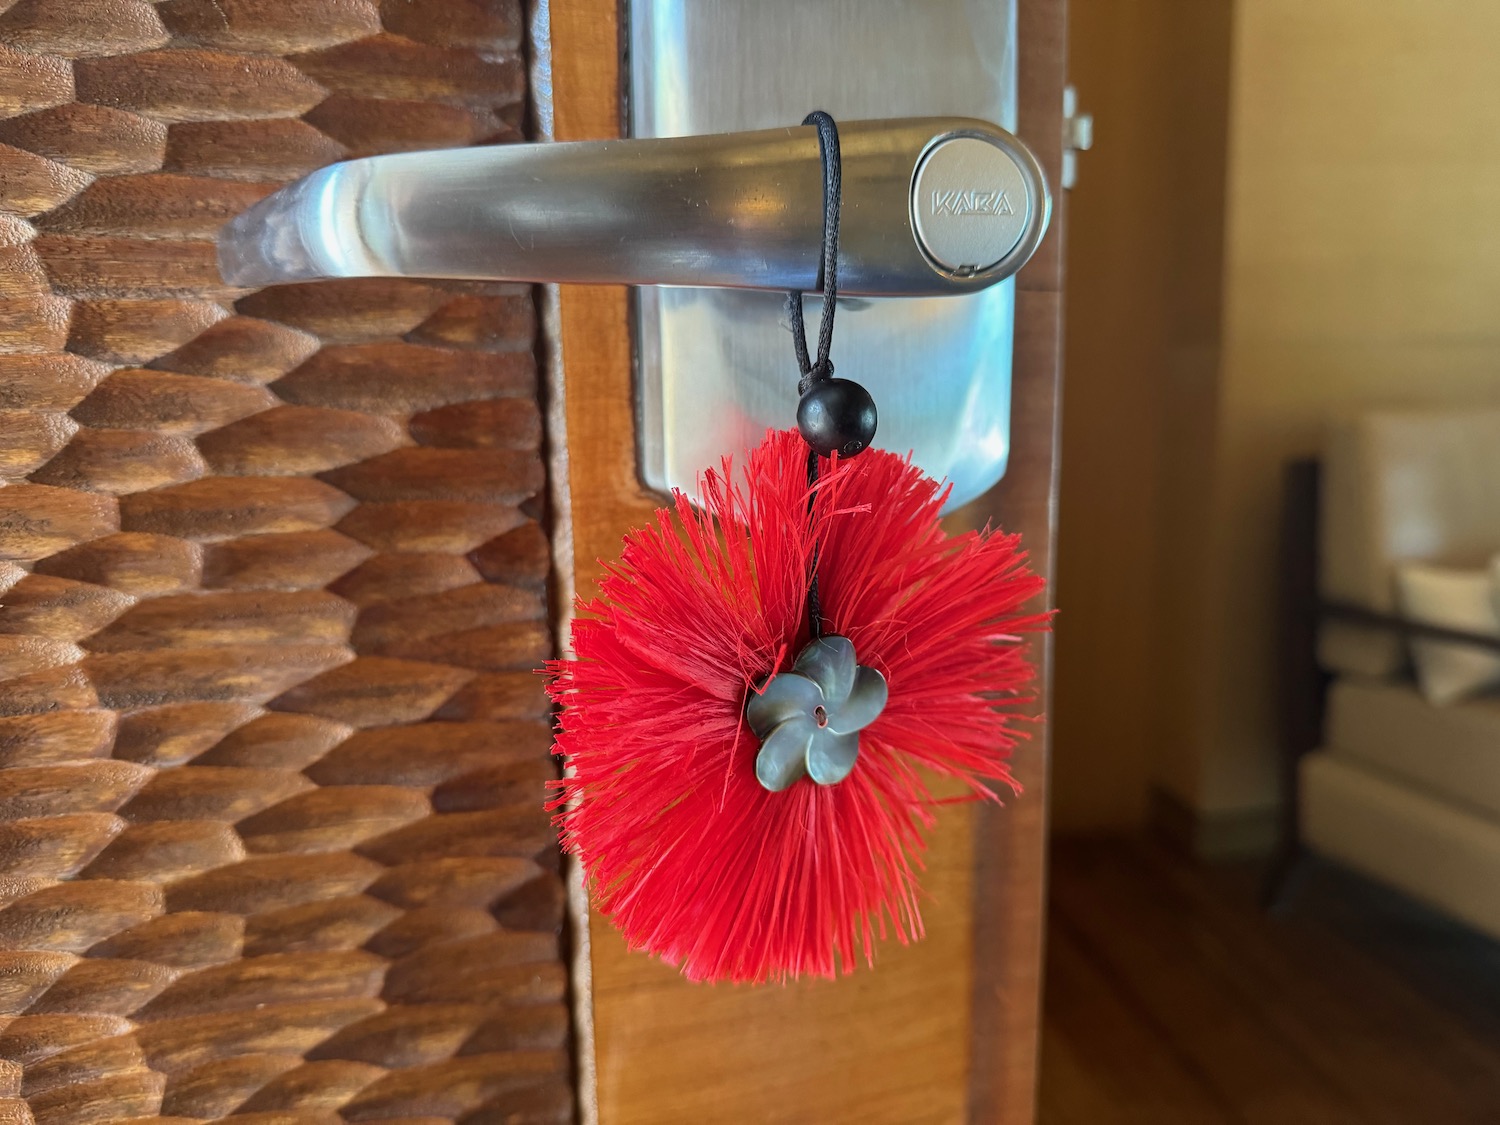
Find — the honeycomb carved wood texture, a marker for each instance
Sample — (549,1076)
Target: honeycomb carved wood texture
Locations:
(271,749)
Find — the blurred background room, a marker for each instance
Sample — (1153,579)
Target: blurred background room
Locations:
(1276,821)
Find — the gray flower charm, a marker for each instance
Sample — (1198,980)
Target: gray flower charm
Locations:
(808,719)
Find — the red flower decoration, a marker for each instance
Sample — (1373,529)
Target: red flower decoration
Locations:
(685,851)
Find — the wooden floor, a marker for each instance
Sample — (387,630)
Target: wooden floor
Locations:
(1172,999)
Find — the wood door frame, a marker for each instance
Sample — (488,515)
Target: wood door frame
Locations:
(604,496)
(1011,842)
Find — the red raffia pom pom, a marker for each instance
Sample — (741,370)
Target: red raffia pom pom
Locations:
(685,851)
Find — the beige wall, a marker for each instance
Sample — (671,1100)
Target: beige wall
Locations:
(1361,264)
(1144,263)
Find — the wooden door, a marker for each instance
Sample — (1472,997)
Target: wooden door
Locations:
(942,1031)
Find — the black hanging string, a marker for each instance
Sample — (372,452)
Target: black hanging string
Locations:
(828,264)
(817,372)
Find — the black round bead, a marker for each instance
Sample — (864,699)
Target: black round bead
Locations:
(837,415)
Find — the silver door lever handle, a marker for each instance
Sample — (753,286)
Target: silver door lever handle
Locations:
(931,206)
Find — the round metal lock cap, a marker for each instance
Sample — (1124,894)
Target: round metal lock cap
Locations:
(970,204)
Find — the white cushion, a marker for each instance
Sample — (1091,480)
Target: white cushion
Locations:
(1433,850)
(1450,752)
(1452,598)
(1401,485)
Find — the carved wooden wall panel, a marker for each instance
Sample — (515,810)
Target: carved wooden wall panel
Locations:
(271,752)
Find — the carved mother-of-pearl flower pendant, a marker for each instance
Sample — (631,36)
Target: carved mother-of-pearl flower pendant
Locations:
(808,719)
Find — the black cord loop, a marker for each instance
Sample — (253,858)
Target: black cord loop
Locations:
(828,264)
(828,281)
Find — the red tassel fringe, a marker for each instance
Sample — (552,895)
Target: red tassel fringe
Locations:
(684,850)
